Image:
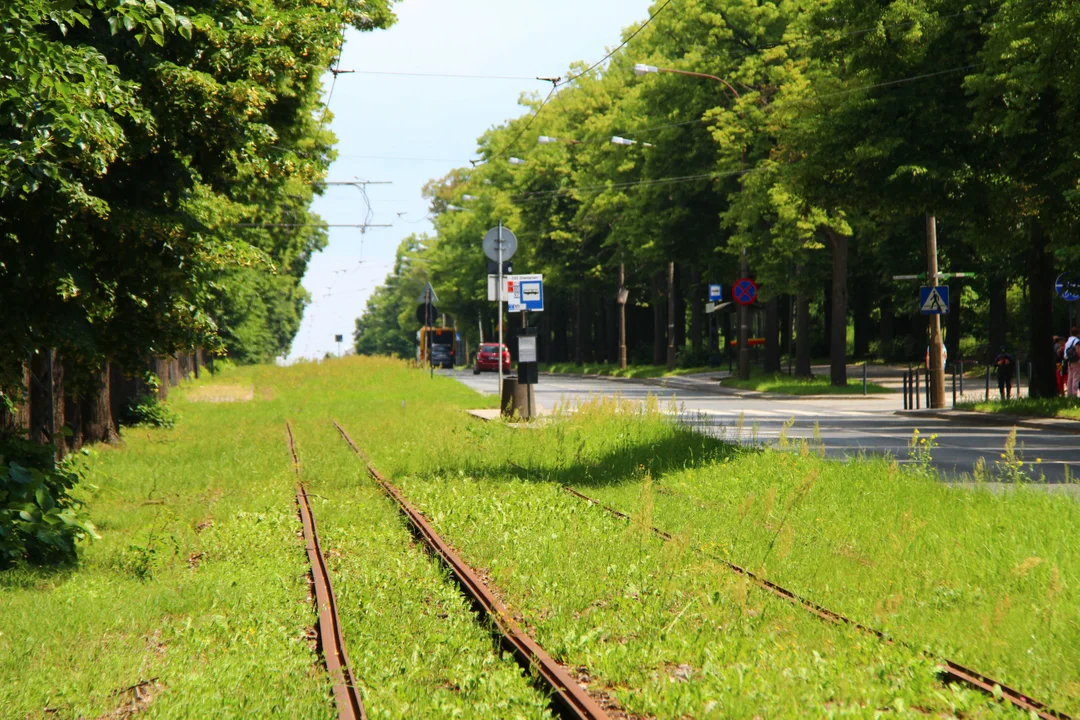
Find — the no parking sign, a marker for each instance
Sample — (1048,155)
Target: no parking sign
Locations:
(745,291)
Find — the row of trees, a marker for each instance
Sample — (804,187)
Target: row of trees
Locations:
(157,164)
(825,136)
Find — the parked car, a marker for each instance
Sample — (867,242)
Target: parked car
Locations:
(442,356)
(487,358)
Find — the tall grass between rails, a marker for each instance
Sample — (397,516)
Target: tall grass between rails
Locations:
(413,641)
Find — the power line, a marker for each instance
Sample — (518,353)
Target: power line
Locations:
(448,75)
(621,45)
(638,183)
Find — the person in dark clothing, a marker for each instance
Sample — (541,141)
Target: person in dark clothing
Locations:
(1006,368)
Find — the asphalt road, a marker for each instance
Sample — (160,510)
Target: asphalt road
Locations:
(847,426)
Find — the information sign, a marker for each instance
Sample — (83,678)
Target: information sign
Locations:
(716,293)
(934,300)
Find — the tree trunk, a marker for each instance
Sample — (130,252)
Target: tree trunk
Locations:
(680,307)
(1041,277)
(999,316)
(659,320)
(860,312)
(695,298)
(952,320)
(772,336)
(785,325)
(887,328)
(17,421)
(97,416)
(47,400)
(838,340)
(802,335)
(579,348)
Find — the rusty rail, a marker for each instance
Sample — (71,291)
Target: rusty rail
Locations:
(331,641)
(950,671)
(568,698)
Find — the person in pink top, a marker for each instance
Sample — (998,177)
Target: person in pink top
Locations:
(1072,357)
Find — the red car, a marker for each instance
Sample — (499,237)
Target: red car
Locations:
(488,358)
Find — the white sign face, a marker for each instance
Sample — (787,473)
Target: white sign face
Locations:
(526,349)
(493,284)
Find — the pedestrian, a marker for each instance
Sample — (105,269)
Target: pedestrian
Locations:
(1061,369)
(944,356)
(1072,357)
(1006,368)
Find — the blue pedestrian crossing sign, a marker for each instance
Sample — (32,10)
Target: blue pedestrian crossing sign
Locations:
(934,300)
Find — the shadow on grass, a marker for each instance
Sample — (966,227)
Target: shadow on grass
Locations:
(680,448)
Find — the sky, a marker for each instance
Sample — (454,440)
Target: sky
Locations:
(405,130)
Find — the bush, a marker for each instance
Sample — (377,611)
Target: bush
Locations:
(149,410)
(39,520)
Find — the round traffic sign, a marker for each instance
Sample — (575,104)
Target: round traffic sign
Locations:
(496,236)
(744,291)
(423,314)
(1068,286)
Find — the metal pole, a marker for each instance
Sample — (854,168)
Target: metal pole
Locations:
(936,381)
(744,319)
(961,378)
(427,330)
(498,301)
(1029,383)
(918,392)
(954,385)
(987,398)
(864,378)
(905,391)
(671,316)
(622,317)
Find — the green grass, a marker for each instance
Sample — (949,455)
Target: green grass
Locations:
(1068,408)
(991,580)
(196,587)
(632,371)
(790,385)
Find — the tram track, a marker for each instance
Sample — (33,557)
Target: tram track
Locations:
(949,671)
(330,639)
(569,700)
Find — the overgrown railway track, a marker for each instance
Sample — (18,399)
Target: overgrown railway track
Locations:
(331,641)
(950,671)
(568,699)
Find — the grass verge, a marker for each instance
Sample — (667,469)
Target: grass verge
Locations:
(633,371)
(1063,407)
(790,385)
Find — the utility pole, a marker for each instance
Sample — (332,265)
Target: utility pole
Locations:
(937,369)
(622,316)
(744,327)
(499,290)
(671,316)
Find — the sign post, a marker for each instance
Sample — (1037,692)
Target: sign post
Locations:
(500,245)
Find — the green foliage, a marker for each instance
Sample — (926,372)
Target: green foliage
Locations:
(148,409)
(40,521)
(151,158)
(1062,407)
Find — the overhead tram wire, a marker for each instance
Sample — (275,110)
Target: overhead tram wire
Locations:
(558,82)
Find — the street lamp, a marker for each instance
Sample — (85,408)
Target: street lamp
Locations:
(744,314)
(469,198)
(627,141)
(548,140)
(516,161)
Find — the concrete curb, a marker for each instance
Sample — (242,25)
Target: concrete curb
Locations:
(996,419)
